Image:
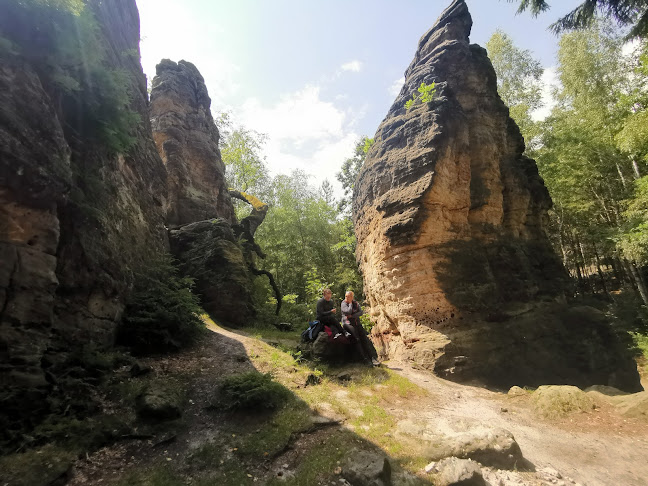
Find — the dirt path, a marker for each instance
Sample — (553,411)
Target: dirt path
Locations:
(595,449)
(209,448)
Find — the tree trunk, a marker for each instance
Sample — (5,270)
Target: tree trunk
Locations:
(600,270)
(641,286)
(635,168)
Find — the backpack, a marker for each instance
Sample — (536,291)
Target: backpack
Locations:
(310,334)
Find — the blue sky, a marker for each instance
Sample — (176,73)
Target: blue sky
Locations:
(315,75)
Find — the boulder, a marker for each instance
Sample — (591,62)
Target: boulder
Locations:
(555,401)
(457,472)
(489,446)
(516,391)
(365,468)
(160,401)
(449,216)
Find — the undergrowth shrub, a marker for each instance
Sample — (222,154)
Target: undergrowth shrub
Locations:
(162,313)
(252,390)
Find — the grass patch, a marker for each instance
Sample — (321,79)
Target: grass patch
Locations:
(319,462)
(252,391)
(275,434)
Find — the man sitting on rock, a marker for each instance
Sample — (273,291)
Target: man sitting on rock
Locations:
(326,313)
(351,312)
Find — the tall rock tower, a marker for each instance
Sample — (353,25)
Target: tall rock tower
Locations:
(449,216)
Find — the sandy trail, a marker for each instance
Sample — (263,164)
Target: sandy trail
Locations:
(596,449)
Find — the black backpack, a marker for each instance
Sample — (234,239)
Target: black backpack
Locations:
(310,334)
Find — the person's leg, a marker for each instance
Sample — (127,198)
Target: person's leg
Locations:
(332,322)
(358,345)
(367,345)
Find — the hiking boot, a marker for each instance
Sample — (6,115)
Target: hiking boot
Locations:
(375,362)
(347,334)
(337,335)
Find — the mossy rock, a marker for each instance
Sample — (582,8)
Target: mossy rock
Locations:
(161,400)
(556,401)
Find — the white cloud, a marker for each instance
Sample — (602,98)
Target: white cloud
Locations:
(353,66)
(304,132)
(159,18)
(550,82)
(396,86)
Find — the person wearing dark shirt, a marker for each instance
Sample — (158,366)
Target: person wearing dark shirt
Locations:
(351,312)
(326,313)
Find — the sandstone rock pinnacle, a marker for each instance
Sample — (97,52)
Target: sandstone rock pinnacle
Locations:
(187,140)
(449,216)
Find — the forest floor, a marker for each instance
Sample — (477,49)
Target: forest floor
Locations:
(354,414)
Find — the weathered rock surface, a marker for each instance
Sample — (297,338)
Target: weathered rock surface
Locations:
(211,254)
(559,400)
(75,216)
(458,472)
(449,217)
(366,468)
(160,401)
(187,140)
(488,446)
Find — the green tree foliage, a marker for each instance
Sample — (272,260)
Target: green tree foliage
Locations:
(63,40)
(598,220)
(518,82)
(349,173)
(309,246)
(162,312)
(425,94)
(632,13)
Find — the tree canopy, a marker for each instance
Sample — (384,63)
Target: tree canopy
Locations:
(633,13)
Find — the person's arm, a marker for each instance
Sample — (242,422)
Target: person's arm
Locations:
(358,313)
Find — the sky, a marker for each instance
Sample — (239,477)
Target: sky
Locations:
(316,75)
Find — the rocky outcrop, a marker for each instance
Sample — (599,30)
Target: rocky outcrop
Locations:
(212,255)
(187,140)
(82,188)
(449,216)
(200,210)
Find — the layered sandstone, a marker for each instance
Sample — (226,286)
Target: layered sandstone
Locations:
(200,212)
(187,140)
(76,216)
(449,217)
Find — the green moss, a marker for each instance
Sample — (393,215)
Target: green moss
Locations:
(37,466)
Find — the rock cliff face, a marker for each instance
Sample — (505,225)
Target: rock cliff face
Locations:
(187,140)
(77,214)
(200,210)
(449,219)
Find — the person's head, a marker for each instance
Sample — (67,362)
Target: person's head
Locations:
(348,296)
(327,294)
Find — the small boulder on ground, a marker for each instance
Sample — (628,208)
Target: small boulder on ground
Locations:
(554,401)
(160,401)
(516,391)
(453,471)
(365,468)
(494,447)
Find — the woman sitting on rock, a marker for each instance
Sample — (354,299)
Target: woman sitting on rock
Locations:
(351,312)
